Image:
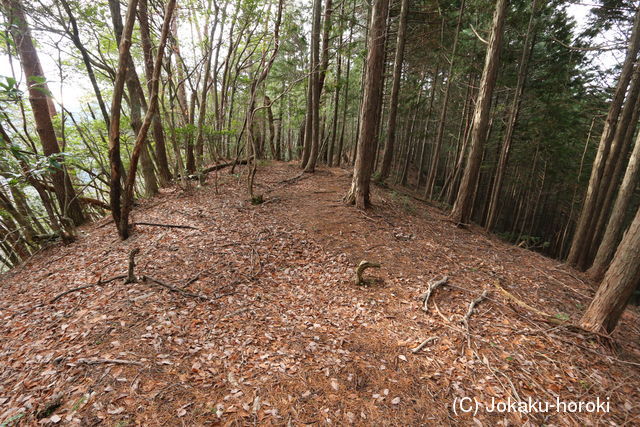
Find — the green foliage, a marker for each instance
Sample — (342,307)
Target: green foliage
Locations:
(9,91)
(13,420)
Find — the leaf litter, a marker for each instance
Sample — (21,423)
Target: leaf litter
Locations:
(289,338)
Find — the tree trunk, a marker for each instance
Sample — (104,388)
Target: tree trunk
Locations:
(618,284)
(581,238)
(116,105)
(616,221)
(371,106)
(136,101)
(523,66)
(40,100)
(203,102)
(395,92)
(158,133)
(315,88)
(435,154)
(463,205)
(141,137)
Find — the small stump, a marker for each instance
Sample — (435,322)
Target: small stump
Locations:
(358,279)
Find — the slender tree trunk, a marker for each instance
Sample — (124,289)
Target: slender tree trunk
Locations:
(346,95)
(395,92)
(371,106)
(435,154)
(336,105)
(203,102)
(158,133)
(523,67)
(622,141)
(427,123)
(115,160)
(463,205)
(136,102)
(315,88)
(141,137)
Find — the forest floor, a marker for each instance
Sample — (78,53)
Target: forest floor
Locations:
(286,336)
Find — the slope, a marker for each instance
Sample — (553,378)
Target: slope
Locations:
(284,335)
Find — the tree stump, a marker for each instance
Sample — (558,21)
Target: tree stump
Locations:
(359,280)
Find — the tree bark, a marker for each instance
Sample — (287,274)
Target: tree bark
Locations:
(435,155)
(395,92)
(314,114)
(581,239)
(115,160)
(41,103)
(463,205)
(158,133)
(618,284)
(141,137)
(616,221)
(371,106)
(136,101)
(523,67)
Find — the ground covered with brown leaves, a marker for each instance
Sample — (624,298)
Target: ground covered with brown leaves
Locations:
(283,335)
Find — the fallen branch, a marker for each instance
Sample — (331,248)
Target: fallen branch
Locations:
(359,280)
(472,306)
(153,224)
(522,303)
(432,287)
(175,289)
(80,288)
(217,168)
(294,179)
(465,319)
(114,361)
(423,344)
(190,281)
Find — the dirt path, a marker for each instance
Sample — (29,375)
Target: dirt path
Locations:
(289,339)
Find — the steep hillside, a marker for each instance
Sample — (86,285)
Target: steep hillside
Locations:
(264,323)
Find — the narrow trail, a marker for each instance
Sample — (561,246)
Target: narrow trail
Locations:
(288,338)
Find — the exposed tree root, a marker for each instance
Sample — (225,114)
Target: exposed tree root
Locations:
(432,287)
(359,280)
(80,288)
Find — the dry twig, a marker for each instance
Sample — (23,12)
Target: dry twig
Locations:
(423,344)
(153,224)
(80,288)
(432,287)
(114,361)
(465,319)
